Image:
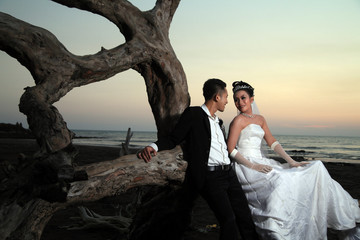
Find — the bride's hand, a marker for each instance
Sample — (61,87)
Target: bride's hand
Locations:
(261,168)
(298,164)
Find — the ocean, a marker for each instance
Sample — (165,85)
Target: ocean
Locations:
(309,147)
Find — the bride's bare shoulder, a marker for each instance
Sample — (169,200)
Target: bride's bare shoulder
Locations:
(261,120)
(261,117)
(238,120)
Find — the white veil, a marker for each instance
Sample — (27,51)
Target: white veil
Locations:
(255,109)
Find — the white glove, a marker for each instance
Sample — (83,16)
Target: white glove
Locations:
(235,155)
(276,146)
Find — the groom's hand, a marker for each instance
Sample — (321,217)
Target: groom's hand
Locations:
(146,154)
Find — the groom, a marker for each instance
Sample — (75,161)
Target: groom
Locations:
(209,170)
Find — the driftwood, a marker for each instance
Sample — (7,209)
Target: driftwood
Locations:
(26,218)
(125,146)
(113,177)
(89,219)
(57,71)
(40,185)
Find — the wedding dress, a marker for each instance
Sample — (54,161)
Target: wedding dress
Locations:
(293,203)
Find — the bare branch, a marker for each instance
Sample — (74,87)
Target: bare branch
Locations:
(37,48)
(165,10)
(22,35)
(122,13)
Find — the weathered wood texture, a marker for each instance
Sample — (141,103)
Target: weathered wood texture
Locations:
(57,71)
(26,218)
(113,177)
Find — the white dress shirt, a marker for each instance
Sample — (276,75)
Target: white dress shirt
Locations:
(218,149)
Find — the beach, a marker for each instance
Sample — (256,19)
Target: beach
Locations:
(347,174)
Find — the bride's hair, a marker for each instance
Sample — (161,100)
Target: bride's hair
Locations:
(240,85)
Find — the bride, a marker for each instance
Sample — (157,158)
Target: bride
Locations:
(295,200)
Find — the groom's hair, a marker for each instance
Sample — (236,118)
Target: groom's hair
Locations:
(212,87)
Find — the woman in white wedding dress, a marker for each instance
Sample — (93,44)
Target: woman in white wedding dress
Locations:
(292,201)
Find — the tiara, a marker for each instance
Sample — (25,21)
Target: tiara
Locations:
(239,87)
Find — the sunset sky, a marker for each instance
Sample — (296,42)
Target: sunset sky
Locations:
(302,57)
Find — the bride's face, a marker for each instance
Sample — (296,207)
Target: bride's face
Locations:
(243,101)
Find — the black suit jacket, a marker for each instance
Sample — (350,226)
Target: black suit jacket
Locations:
(192,129)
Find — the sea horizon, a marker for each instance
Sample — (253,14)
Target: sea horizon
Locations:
(275,134)
(306,146)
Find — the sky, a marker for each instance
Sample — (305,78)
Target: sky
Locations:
(302,57)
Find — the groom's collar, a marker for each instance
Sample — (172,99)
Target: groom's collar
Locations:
(206,110)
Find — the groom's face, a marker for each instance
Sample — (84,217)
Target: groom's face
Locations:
(222,100)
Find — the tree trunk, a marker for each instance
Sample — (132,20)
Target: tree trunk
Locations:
(50,175)
(23,215)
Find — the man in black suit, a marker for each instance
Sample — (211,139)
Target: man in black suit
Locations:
(209,170)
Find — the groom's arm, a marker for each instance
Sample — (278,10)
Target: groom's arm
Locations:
(179,132)
(176,137)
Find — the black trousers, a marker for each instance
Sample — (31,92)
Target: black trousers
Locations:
(226,198)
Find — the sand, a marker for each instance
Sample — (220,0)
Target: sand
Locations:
(347,174)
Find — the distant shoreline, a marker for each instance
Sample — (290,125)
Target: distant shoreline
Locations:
(8,130)
(333,160)
(18,142)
